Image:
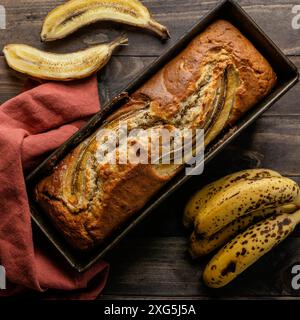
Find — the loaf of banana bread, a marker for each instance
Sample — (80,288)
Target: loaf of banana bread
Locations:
(216,79)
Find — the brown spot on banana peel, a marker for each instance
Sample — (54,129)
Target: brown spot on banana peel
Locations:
(200,246)
(265,193)
(73,15)
(231,267)
(223,272)
(197,202)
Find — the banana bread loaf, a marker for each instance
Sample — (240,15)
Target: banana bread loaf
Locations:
(216,79)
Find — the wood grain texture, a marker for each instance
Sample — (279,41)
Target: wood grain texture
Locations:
(10,83)
(25,17)
(140,267)
(152,262)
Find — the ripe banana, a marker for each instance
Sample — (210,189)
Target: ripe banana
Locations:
(202,246)
(197,202)
(61,67)
(247,248)
(241,199)
(74,14)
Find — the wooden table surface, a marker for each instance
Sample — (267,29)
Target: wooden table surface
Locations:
(152,261)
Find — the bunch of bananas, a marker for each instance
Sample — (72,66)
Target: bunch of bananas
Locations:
(252,211)
(66,19)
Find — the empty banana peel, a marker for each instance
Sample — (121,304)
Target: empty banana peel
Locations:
(59,67)
(73,15)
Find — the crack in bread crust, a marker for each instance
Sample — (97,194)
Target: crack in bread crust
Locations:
(216,79)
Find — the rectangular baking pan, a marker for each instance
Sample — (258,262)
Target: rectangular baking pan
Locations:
(287,77)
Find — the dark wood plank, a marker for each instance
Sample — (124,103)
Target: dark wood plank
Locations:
(153,262)
(273,142)
(119,73)
(160,266)
(23,23)
(10,83)
(24,20)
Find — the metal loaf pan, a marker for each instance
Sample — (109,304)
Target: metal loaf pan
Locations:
(287,77)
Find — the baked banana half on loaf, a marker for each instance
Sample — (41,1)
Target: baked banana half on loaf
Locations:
(215,80)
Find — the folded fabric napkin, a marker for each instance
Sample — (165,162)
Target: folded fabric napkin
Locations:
(32,125)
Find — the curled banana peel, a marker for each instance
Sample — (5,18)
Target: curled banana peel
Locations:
(59,67)
(243,198)
(75,14)
(202,197)
(245,249)
(200,246)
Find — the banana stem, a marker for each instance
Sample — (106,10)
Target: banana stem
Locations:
(121,40)
(159,29)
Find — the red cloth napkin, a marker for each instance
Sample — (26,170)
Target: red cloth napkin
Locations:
(31,126)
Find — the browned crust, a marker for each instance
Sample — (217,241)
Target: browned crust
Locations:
(175,81)
(127,188)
